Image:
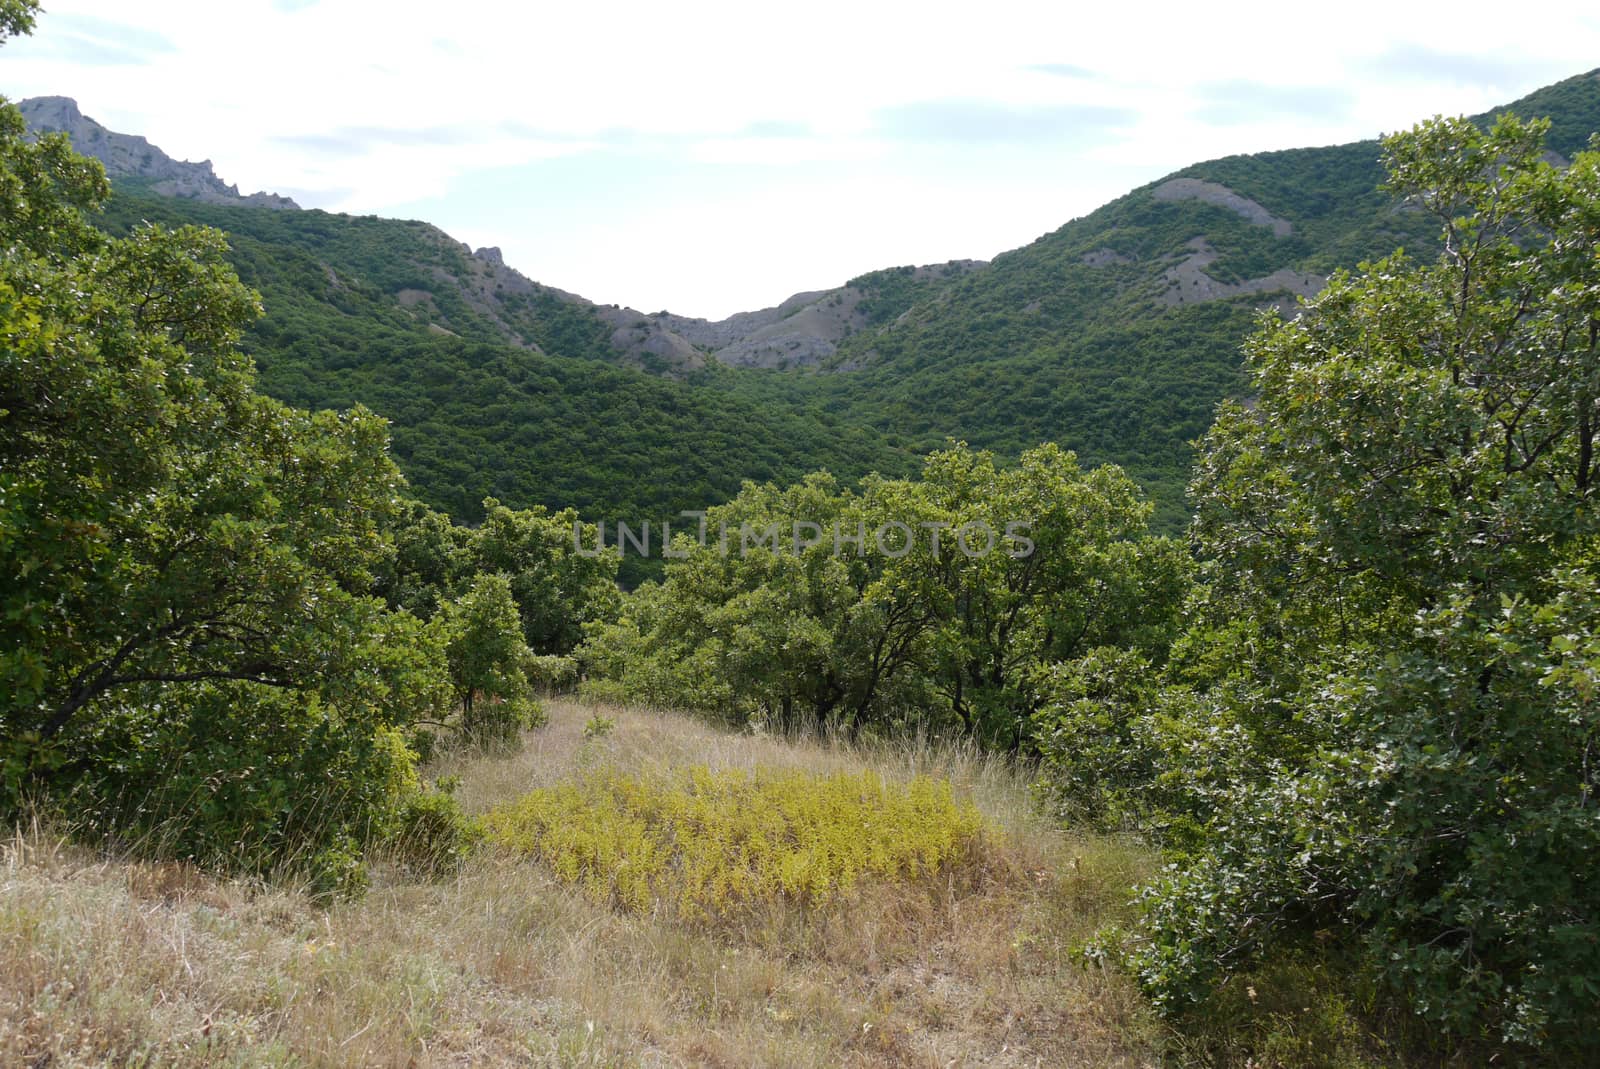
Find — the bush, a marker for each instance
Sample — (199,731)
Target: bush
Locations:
(268,783)
(1093,734)
(552,671)
(706,842)
(433,835)
(483,645)
(1449,827)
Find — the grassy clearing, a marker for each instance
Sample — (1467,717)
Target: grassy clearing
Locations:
(114,963)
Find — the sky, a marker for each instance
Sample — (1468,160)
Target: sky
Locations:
(708,158)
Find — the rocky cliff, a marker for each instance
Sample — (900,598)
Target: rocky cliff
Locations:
(129,156)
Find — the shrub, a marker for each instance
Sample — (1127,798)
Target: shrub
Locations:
(552,671)
(433,835)
(262,783)
(706,842)
(1399,539)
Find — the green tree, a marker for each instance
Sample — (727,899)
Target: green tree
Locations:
(1397,628)
(558,589)
(184,557)
(16,17)
(1092,576)
(745,624)
(482,637)
(431,558)
(558,586)
(926,603)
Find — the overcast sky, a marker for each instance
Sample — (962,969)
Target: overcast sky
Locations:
(713,157)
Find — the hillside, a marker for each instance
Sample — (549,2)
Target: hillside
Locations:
(1114,335)
(296,770)
(448,288)
(130,156)
(386,313)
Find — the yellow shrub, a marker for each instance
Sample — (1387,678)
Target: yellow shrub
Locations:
(705,841)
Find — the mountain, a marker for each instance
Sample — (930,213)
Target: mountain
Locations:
(401,318)
(1115,334)
(1118,333)
(127,156)
(467,292)
(807,329)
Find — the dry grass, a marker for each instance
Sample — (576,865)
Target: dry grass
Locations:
(114,963)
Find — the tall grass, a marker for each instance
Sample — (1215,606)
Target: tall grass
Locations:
(115,962)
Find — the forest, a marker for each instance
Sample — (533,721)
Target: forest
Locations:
(1350,707)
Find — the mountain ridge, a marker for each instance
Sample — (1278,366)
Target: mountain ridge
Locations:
(802,331)
(133,156)
(1115,334)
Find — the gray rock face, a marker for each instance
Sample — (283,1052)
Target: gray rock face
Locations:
(1222,197)
(1186,281)
(803,331)
(128,156)
(1104,258)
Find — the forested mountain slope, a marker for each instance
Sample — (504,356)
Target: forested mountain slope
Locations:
(380,312)
(1114,335)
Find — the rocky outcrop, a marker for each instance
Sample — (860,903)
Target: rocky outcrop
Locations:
(129,156)
(637,336)
(1222,197)
(1186,281)
(1105,258)
(803,331)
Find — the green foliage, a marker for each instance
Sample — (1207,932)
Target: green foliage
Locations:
(553,672)
(1042,345)
(188,656)
(429,560)
(750,631)
(889,293)
(1072,339)
(806,606)
(432,835)
(704,843)
(1302,1011)
(598,727)
(558,590)
(482,638)
(1094,577)
(495,596)
(236,779)
(16,17)
(1396,628)
(1093,731)
(472,415)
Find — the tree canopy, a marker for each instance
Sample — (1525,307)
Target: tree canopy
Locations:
(930,602)
(1383,716)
